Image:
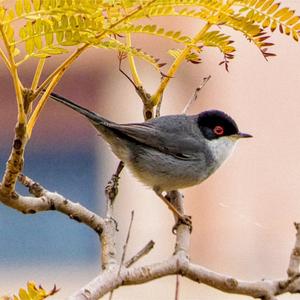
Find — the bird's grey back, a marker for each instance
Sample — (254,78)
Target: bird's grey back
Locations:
(177,135)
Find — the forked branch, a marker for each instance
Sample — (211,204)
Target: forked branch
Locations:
(115,275)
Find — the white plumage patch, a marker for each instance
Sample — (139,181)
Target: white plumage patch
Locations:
(222,148)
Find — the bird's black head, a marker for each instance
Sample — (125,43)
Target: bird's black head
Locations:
(215,124)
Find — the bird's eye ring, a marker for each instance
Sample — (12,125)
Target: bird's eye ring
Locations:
(219,130)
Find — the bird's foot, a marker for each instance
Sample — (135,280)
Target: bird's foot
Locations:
(183,220)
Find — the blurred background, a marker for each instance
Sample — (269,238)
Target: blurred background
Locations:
(243,215)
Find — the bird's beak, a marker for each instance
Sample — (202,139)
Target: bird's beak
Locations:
(240,135)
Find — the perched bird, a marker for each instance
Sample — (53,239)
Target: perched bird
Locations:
(170,152)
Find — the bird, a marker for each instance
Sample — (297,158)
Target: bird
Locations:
(170,152)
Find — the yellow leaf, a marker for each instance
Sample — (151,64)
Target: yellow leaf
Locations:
(287,30)
(281,12)
(273,8)
(176,34)
(54,24)
(287,15)
(267,5)
(29,46)
(73,22)
(53,3)
(59,36)
(45,4)
(266,22)
(64,21)
(19,7)
(260,3)
(250,14)
(27,6)
(259,17)
(76,36)
(2,13)
(10,15)
(32,289)
(10,34)
(54,51)
(68,35)
(29,28)
(293,20)
(273,25)
(38,42)
(36,4)
(296,27)
(174,52)
(23,295)
(38,26)
(49,38)
(61,3)
(243,9)
(295,36)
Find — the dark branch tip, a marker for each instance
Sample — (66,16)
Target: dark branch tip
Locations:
(17,144)
(148,114)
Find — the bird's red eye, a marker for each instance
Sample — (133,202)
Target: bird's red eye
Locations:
(219,130)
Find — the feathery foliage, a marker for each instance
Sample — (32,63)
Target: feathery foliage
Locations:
(50,27)
(44,28)
(33,292)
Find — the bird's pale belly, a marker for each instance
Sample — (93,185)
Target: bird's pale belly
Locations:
(160,170)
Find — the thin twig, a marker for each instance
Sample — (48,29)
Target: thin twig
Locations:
(142,93)
(144,251)
(195,95)
(124,250)
(126,242)
(177,287)
(294,263)
(120,58)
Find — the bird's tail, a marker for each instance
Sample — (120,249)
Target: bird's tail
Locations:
(93,117)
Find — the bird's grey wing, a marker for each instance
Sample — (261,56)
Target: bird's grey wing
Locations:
(178,144)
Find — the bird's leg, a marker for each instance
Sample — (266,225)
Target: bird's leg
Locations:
(185,219)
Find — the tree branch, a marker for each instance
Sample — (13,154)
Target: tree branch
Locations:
(44,200)
(179,264)
(144,251)
(195,95)
(294,263)
(113,276)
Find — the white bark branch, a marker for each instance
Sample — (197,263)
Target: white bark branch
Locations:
(46,201)
(179,264)
(113,276)
(144,251)
(294,263)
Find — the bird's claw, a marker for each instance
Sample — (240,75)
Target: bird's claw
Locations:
(185,220)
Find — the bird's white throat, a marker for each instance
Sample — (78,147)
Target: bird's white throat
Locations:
(221,148)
